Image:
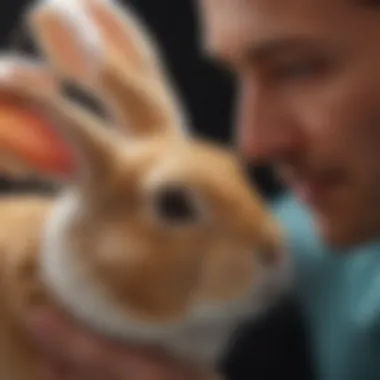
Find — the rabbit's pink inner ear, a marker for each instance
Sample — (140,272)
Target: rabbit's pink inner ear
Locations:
(75,44)
(129,40)
(68,39)
(31,138)
(135,80)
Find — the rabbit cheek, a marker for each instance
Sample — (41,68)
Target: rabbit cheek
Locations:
(227,274)
(148,283)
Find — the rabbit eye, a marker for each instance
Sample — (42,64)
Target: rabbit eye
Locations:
(176,205)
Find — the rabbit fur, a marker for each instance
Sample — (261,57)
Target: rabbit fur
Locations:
(156,237)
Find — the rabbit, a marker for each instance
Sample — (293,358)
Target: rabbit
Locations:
(155,237)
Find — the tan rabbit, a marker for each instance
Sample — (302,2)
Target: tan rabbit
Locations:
(157,237)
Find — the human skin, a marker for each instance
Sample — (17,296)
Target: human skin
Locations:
(308,103)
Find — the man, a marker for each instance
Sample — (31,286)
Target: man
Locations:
(309,103)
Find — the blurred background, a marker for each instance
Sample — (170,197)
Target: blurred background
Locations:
(276,347)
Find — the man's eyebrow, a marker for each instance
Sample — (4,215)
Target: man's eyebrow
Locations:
(270,49)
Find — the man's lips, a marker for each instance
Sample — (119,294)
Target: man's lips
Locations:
(309,192)
(316,191)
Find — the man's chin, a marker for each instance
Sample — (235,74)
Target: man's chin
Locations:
(342,238)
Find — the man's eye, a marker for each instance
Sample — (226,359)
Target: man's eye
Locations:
(297,70)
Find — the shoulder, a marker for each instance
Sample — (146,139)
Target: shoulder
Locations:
(302,236)
(311,257)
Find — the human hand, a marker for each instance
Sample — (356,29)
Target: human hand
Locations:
(68,352)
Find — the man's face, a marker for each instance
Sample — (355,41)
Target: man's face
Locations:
(308,74)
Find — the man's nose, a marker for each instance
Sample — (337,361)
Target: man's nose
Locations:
(265,130)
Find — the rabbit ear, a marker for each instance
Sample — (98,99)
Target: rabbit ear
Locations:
(44,133)
(27,139)
(103,46)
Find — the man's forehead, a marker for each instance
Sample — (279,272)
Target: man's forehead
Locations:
(279,7)
(230,26)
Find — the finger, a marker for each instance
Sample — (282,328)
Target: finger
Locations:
(48,374)
(51,372)
(73,348)
(62,339)
(151,364)
(70,345)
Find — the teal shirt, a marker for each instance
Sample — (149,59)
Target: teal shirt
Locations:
(340,296)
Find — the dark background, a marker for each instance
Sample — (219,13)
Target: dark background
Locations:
(276,347)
